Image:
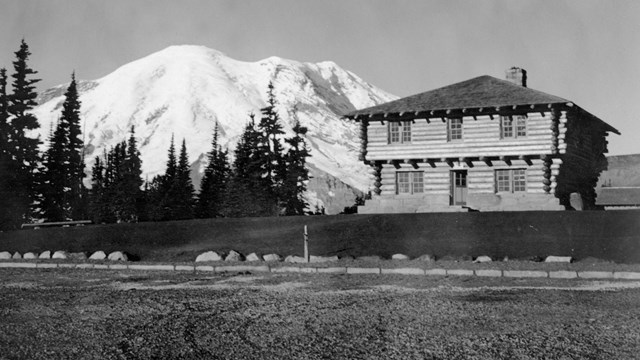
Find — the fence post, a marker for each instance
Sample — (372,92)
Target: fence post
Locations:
(306,244)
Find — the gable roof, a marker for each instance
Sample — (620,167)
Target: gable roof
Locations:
(480,92)
(618,196)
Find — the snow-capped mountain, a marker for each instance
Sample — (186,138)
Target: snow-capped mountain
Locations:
(184,90)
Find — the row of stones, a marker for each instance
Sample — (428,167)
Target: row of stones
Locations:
(63,255)
(561,274)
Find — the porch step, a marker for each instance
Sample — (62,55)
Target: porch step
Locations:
(441,209)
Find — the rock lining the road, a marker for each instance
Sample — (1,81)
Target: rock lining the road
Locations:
(554,274)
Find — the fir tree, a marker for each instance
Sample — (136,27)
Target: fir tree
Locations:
(171,195)
(133,179)
(74,152)
(249,192)
(172,166)
(297,174)
(97,205)
(11,211)
(270,146)
(63,193)
(23,149)
(161,199)
(183,191)
(214,182)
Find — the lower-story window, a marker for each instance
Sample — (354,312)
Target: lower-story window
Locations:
(409,182)
(511,180)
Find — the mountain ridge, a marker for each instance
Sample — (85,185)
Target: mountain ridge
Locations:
(183,90)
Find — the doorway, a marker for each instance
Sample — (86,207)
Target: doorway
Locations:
(459,187)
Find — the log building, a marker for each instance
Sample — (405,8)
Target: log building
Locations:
(483,144)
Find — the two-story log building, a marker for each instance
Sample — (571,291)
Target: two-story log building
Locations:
(483,144)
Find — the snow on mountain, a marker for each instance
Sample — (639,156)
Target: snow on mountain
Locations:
(184,90)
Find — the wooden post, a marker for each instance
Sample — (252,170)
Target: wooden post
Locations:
(306,244)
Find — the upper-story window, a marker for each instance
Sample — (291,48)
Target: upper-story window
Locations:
(399,132)
(454,129)
(512,127)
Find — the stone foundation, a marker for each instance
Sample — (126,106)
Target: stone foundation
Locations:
(478,202)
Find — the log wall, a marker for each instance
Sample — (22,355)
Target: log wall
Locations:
(582,145)
(481,137)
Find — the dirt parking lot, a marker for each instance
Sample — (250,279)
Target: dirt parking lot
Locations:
(137,315)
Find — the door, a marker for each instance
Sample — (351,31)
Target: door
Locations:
(459,187)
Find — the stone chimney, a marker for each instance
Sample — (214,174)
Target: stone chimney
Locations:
(517,76)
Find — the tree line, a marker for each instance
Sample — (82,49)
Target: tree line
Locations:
(267,177)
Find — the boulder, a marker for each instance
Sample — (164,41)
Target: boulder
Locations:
(118,256)
(5,255)
(575,199)
(98,255)
(253,257)
(16,255)
(399,257)
(272,257)
(45,255)
(482,259)
(560,259)
(295,259)
(209,256)
(29,256)
(233,256)
(78,256)
(426,258)
(60,254)
(322,259)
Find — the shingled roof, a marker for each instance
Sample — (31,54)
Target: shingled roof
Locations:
(480,92)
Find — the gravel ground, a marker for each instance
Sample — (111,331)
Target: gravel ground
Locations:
(137,315)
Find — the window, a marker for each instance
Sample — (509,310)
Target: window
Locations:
(410,182)
(399,132)
(512,127)
(454,129)
(511,180)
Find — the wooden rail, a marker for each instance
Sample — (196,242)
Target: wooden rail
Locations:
(56,223)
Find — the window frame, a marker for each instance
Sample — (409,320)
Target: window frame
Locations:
(514,179)
(414,182)
(514,127)
(457,129)
(400,132)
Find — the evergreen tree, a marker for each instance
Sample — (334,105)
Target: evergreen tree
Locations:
(23,149)
(269,144)
(97,205)
(249,192)
(171,196)
(296,172)
(214,182)
(11,211)
(74,152)
(116,194)
(54,182)
(63,193)
(132,179)
(183,191)
(172,166)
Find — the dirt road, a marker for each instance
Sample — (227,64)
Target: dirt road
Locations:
(120,315)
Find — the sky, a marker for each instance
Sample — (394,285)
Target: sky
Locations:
(585,51)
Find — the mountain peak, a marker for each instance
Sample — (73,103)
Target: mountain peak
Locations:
(184,90)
